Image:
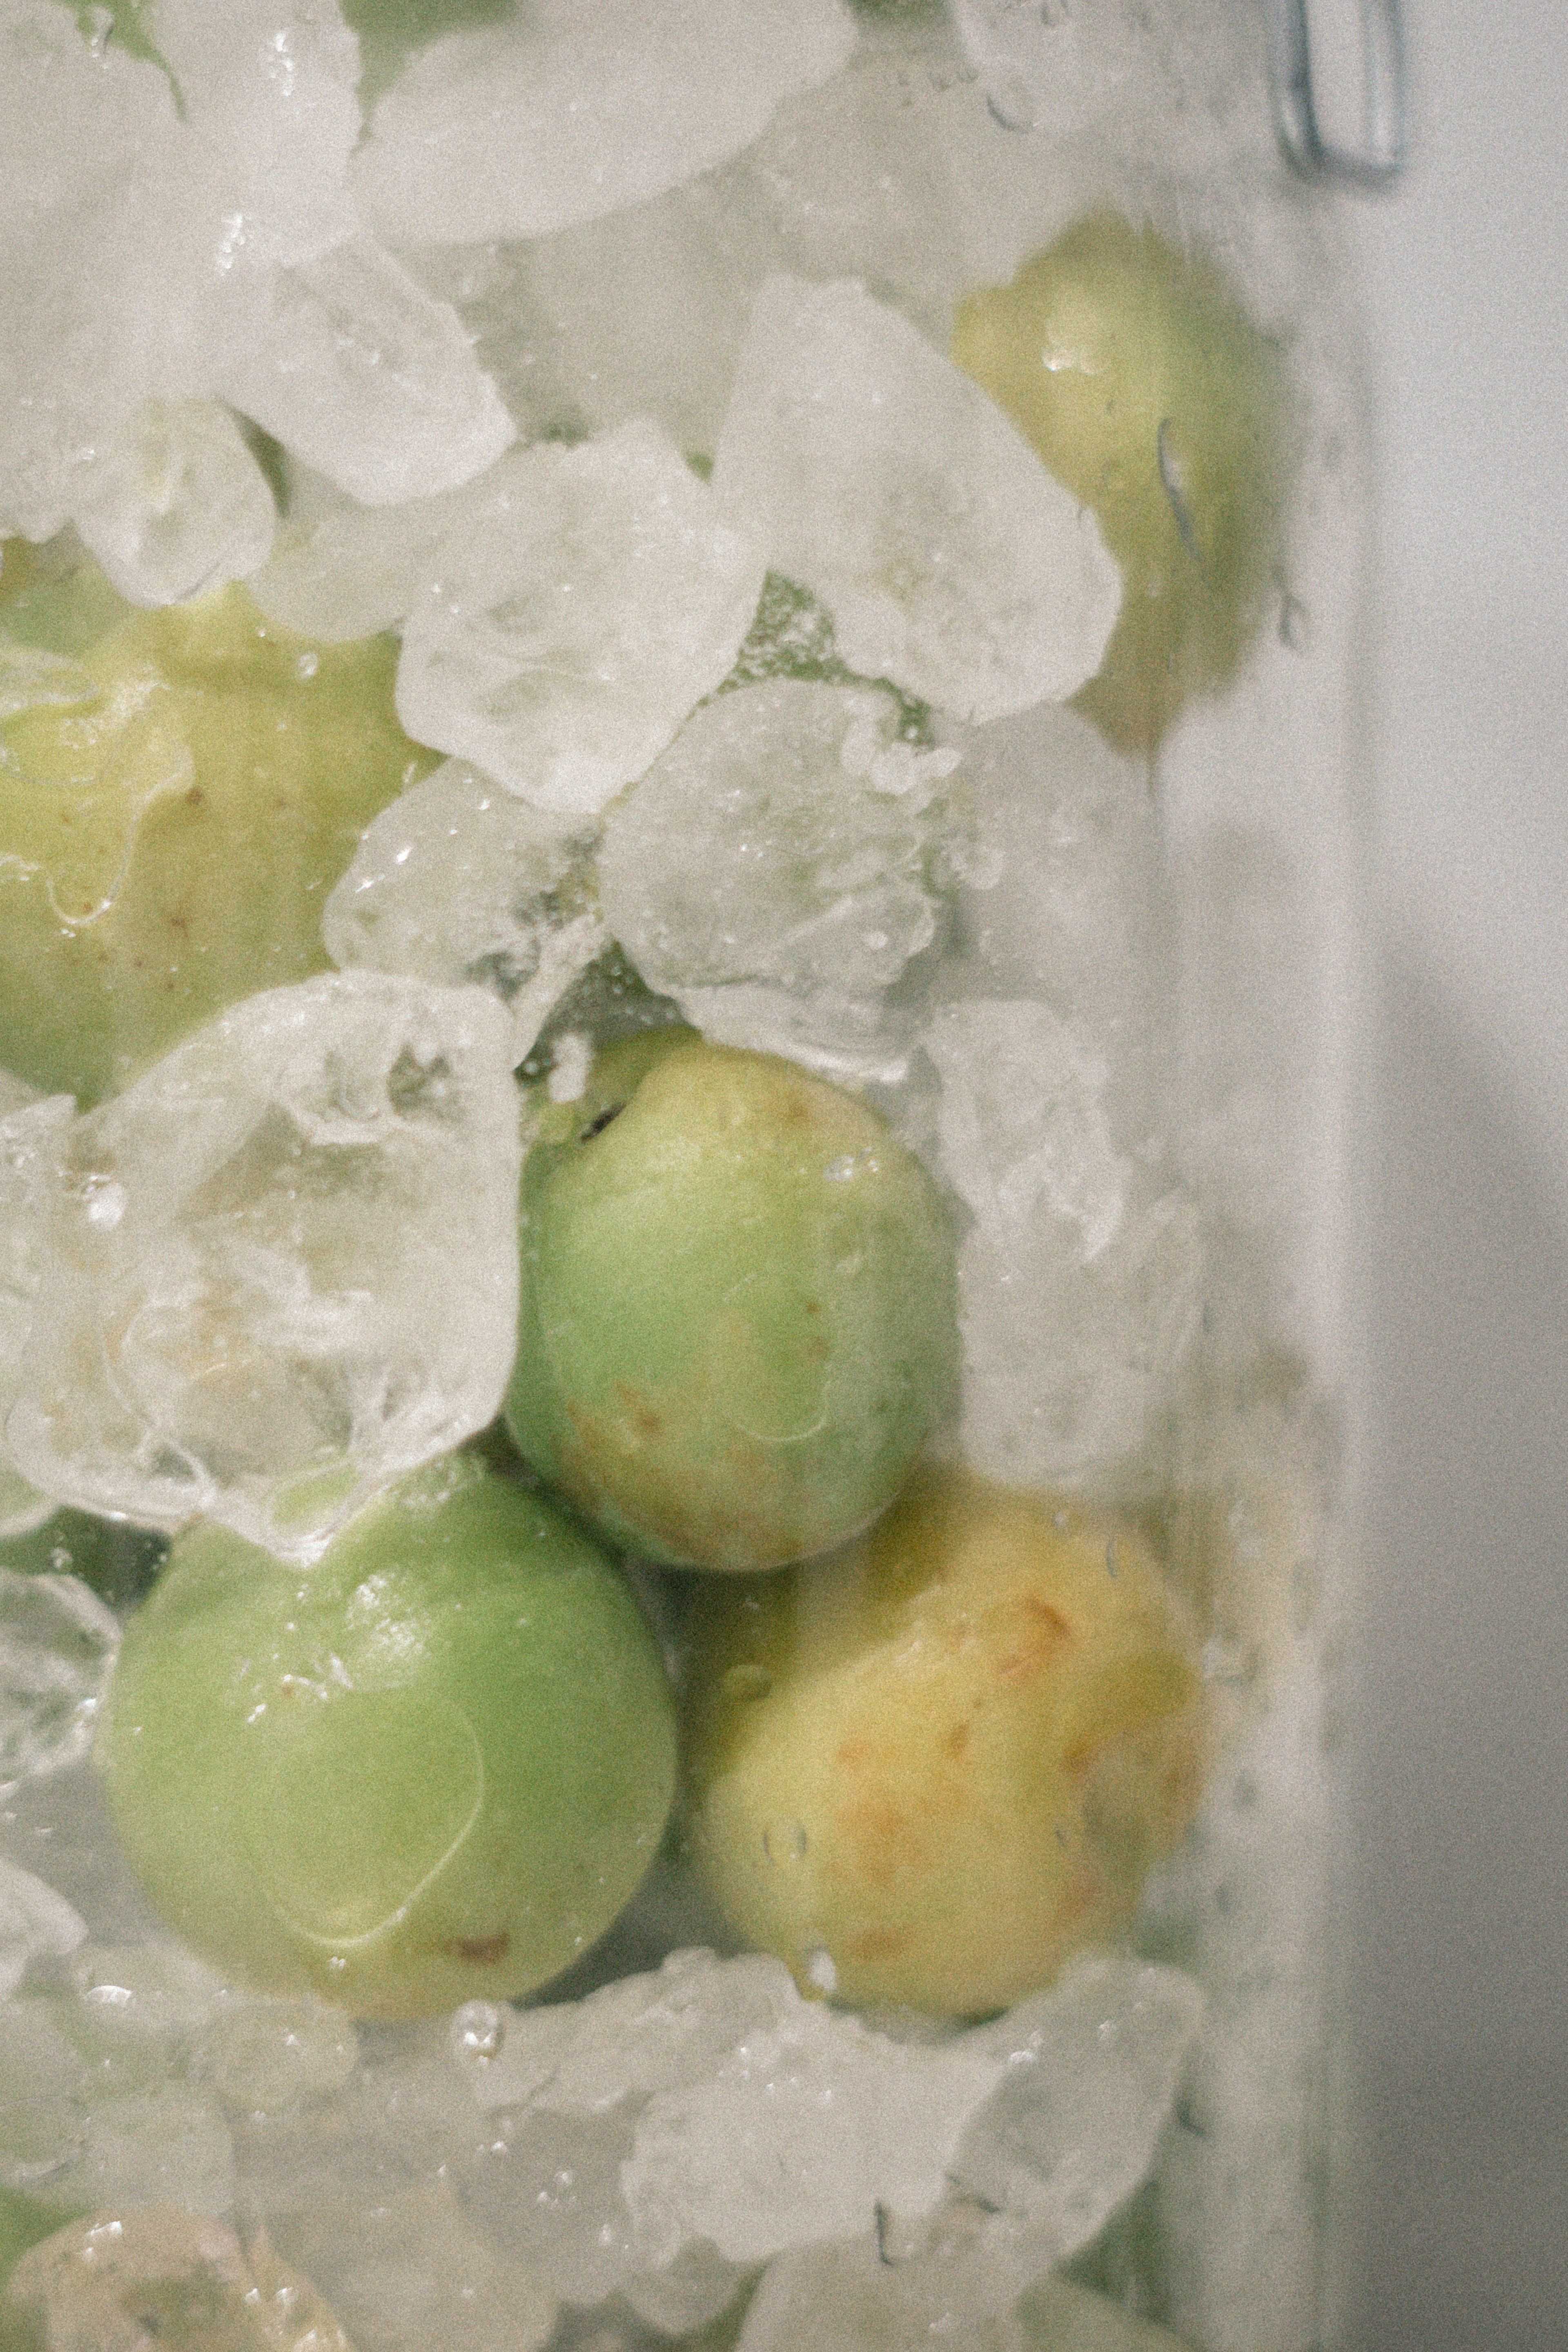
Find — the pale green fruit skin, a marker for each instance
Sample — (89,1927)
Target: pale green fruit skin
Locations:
(432,1768)
(167,847)
(738,1320)
(1112,351)
(947,1758)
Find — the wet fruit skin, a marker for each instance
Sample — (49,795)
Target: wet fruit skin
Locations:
(166,844)
(432,1768)
(944,1759)
(1145,388)
(738,1319)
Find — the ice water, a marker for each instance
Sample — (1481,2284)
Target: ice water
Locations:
(824,538)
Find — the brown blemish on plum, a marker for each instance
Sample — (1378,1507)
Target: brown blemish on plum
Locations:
(958,1742)
(883,1836)
(485,1951)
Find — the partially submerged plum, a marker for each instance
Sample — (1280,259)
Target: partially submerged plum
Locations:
(432,1766)
(928,1770)
(177,798)
(738,1316)
(1145,387)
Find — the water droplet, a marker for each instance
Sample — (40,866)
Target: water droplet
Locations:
(307,665)
(820,1970)
(478,2030)
(839,1171)
(60,1559)
(784,1842)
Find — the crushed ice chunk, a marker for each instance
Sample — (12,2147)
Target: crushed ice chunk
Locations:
(459,881)
(121,2278)
(812,892)
(556,116)
(168,2146)
(174,504)
(312,1285)
(799,2135)
(57,1645)
(32,1140)
(264,2056)
(137,190)
(1091,2071)
(587,601)
(887,483)
(140,2000)
(353,570)
(1079,1283)
(356,369)
(33,1920)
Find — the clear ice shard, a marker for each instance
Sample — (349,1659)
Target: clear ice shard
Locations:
(819,827)
(1079,1282)
(57,1644)
(357,371)
(96,2281)
(281,1268)
(586,601)
(351,570)
(461,882)
(1090,2070)
(34,1920)
(886,482)
(175,504)
(562,115)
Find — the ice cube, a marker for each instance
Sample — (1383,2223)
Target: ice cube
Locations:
(818,828)
(42,2078)
(138,2008)
(459,881)
(119,2280)
(883,479)
(1079,1282)
(283,1264)
(32,1139)
(554,116)
(57,1644)
(174,504)
(163,2146)
(33,1920)
(588,600)
(357,371)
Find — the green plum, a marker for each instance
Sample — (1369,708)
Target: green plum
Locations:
(927,1771)
(1145,388)
(433,1767)
(169,835)
(738,1320)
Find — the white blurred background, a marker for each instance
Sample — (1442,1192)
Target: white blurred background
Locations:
(1460,1998)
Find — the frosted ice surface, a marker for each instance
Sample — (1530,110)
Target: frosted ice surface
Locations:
(32,1140)
(560,115)
(33,1920)
(57,1644)
(460,881)
(42,2077)
(164,2147)
(356,369)
(587,602)
(813,891)
(285,1264)
(121,220)
(186,2272)
(1079,1282)
(353,570)
(174,504)
(886,482)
